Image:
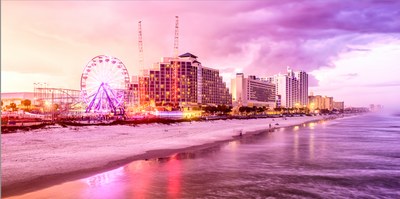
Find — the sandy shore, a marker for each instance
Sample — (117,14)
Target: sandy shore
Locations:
(58,154)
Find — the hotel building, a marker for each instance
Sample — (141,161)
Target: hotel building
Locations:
(291,89)
(338,106)
(319,102)
(197,84)
(252,91)
(302,77)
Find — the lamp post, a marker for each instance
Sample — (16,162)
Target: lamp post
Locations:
(201,110)
(46,105)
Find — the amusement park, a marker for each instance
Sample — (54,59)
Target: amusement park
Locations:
(177,87)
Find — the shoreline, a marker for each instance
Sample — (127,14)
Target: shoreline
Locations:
(5,129)
(19,186)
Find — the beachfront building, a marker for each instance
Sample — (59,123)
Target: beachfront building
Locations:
(315,102)
(302,77)
(291,88)
(328,103)
(197,84)
(133,92)
(252,91)
(286,89)
(338,106)
(371,107)
(318,102)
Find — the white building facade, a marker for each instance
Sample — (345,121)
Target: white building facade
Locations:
(292,88)
(252,91)
(302,77)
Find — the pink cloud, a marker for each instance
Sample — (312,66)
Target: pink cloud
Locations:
(261,37)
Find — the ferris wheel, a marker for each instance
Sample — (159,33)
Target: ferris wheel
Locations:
(104,83)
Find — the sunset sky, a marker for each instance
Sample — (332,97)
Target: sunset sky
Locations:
(350,49)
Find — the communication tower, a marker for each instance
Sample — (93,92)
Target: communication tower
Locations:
(175,65)
(141,67)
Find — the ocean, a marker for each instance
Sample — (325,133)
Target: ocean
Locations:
(351,157)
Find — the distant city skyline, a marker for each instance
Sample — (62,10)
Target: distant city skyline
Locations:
(349,49)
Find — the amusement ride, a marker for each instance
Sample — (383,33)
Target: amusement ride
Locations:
(104,84)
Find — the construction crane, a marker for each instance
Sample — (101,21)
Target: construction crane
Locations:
(141,67)
(175,65)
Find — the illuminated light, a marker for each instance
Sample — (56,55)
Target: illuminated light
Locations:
(296,128)
(103,178)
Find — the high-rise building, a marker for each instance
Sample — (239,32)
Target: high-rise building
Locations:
(328,103)
(286,88)
(252,91)
(302,77)
(196,84)
(291,87)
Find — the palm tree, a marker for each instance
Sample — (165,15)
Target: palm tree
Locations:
(260,109)
(254,109)
(26,103)
(242,109)
(13,106)
(229,109)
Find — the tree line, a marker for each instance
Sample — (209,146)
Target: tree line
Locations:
(26,103)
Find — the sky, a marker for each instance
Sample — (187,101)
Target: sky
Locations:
(350,49)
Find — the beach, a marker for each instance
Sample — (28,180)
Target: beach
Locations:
(57,154)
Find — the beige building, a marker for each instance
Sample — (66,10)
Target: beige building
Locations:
(328,103)
(319,102)
(338,105)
